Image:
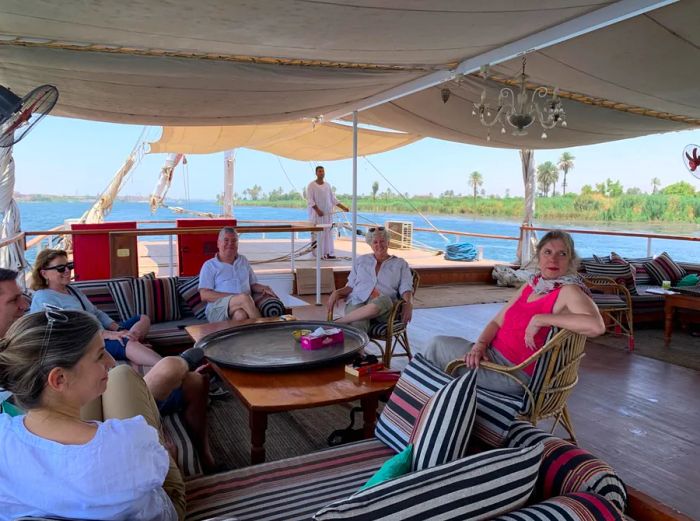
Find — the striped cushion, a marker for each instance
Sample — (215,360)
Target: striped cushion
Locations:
(476,487)
(123,295)
(442,432)
(608,300)
(567,468)
(188,288)
(495,413)
(570,507)
(419,381)
(97,292)
(378,329)
(662,267)
(157,298)
(269,306)
(621,273)
(289,489)
(601,260)
(176,436)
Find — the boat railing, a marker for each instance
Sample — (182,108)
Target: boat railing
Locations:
(525,231)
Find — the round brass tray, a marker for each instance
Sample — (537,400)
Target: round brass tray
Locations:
(271,346)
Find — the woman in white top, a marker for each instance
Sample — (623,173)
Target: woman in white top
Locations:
(56,464)
(376,281)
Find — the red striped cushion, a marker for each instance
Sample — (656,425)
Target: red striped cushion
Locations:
(157,298)
(580,506)
(188,288)
(662,268)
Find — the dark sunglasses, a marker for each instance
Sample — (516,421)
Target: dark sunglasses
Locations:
(376,229)
(61,268)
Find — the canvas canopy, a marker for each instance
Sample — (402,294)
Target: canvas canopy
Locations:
(233,63)
(300,140)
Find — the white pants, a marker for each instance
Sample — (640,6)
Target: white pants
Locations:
(327,234)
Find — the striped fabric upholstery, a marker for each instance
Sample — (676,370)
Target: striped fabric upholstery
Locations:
(286,490)
(607,300)
(378,329)
(442,431)
(419,381)
(188,288)
(122,291)
(567,468)
(97,292)
(157,298)
(662,267)
(476,487)
(176,435)
(621,273)
(580,506)
(269,306)
(495,413)
(170,338)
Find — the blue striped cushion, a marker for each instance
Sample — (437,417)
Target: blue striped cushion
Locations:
(188,288)
(495,413)
(620,273)
(570,507)
(419,381)
(476,487)
(442,432)
(378,329)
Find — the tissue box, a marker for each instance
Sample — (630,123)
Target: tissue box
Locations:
(310,342)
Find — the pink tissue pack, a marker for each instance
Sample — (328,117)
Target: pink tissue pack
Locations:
(319,342)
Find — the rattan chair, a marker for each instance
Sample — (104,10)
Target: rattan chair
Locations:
(390,335)
(615,305)
(555,376)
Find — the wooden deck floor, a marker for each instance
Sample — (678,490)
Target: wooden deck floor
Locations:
(639,414)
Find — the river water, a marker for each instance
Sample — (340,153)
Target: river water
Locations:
(45,215)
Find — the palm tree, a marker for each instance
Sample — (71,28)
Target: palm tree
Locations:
(566,163)
(375,189)
(655,183)
(547,175)
(475,181)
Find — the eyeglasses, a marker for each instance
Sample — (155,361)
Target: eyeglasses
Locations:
(53,314)
(61,268)
(376,229)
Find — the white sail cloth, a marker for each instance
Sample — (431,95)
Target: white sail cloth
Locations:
(164,180)
(12,255)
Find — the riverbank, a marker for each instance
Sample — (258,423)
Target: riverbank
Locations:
(593,207)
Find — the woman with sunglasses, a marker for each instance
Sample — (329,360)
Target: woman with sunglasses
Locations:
(51,278)
(57,463)
(376,281)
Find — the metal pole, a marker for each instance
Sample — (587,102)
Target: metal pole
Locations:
(648,246)
(229,163)
(172,256)
(319,249)
(354,187)
(293,260)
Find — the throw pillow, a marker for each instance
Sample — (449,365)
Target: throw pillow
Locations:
(392,468)
(419,381)
(269,306)
(481,486)
(566,468)
(188,288)
(602,260)
(157,298)
(620,273)
(123,295)
(570,507)
(442,431)
(662,267)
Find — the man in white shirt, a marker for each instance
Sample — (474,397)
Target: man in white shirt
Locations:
(227,281)
(321,200)
(13,304)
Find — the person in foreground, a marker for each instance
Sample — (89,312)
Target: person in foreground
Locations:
(555,296)
(376,281)
(13,304)
(226,282)
(51,277)
(57,464)
(175,381)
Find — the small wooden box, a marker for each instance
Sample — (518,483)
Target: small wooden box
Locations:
(306,281)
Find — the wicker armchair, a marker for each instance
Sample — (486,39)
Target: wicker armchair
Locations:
(389,335)
(615,305)
(555,376)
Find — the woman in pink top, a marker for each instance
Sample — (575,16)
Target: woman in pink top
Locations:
(554,296)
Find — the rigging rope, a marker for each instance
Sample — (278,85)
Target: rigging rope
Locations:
(407,200)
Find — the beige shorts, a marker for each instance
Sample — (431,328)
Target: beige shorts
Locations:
(385,305)
(218,310)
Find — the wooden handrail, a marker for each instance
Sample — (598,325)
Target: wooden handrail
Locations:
(468,234)
(620,234)
(182,231)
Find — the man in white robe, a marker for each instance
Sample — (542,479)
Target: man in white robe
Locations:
(321,200)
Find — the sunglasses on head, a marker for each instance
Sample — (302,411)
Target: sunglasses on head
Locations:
(376,229)
(61,268)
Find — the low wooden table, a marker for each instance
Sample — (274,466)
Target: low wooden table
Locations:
(672,302)
(264,392)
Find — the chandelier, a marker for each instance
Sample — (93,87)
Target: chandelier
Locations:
(520,110)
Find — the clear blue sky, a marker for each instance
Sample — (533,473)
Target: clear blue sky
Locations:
(73,157)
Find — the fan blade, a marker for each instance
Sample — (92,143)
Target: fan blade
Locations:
(32,108)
